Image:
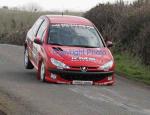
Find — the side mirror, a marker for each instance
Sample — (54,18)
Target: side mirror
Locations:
(109,44)
(38,41)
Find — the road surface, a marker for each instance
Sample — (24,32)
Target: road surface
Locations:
(37,98)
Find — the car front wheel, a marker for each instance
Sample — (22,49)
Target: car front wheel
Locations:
(42,72)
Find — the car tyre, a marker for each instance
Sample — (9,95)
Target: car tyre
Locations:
(42,72)
(27,62)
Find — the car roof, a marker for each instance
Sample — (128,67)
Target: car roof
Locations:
(68,19)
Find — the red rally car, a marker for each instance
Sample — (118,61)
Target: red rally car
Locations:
(68,49)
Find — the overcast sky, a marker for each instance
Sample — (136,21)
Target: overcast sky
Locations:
(77,5)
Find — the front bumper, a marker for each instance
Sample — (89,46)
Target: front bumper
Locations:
(78,75)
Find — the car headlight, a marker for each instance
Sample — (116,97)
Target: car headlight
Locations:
(59,64)
(107,66)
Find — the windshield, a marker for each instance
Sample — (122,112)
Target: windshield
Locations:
(74,35)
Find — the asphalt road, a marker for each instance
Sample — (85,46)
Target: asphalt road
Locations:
(36,98)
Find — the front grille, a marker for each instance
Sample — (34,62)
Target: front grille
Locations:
(83,77)
(83,66)
(88,68)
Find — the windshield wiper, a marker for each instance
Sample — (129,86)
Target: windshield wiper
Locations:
(85,46)
(56,44)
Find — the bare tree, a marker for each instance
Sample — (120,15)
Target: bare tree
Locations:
(32,7)
(5,7)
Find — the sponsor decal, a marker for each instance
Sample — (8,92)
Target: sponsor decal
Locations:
(72,25)
(82,59)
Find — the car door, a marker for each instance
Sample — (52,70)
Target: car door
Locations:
(32,36)
(40,35)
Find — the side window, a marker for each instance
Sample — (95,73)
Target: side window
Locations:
(42,38)
(42,30)
(36,26)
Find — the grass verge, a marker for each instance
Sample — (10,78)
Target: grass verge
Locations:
(132,68)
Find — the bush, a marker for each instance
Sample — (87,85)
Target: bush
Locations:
(14,24)
(127,25)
